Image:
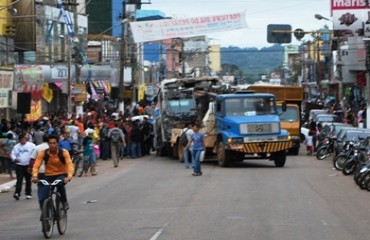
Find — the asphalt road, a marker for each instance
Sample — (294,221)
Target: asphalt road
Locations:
(157,198)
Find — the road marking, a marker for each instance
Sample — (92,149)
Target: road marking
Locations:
(323,222)
(157,234)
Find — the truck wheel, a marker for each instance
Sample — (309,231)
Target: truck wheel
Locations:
(180,152)
(222,155)
(280,158)
(237,156)
(170,151)
(294,151)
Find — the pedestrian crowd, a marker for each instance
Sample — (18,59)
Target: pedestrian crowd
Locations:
(113,135)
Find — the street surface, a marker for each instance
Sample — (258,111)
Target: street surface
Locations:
(157,198)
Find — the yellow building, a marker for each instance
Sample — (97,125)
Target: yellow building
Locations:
(215,58)
(6,18)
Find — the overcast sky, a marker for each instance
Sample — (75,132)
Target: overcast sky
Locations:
(259,13)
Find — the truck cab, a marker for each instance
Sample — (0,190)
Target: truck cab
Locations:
(290,120)
(247,125)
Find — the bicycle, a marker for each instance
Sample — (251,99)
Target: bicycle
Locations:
(52,211)
(78,162)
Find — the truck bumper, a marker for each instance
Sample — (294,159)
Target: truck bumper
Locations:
(296,143)
(261,147)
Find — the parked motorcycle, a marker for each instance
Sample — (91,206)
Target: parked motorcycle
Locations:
(326,148)
(347,152)
(354,162)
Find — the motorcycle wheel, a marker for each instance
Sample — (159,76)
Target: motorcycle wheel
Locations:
(339,161)
(349,167)
(362,182)
(367,184)
(322,152)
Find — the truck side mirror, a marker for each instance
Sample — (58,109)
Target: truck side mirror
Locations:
(283,107)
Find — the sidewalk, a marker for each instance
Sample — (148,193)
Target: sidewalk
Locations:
(102,166)
(6,182)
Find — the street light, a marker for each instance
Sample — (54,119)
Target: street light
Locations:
(320,17)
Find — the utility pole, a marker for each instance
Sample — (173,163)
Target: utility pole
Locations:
(69,101)
(122,59)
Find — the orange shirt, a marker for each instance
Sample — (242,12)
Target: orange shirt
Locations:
(54,166)
(80,125)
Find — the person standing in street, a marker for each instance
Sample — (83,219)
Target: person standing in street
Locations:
(7,148)
(41,174)
(117,138)
(66,142)
(88,152)
(188,131)
(136,139)
(21,155)
(198,141)
(147,128)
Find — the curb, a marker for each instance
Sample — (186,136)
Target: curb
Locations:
(5,187)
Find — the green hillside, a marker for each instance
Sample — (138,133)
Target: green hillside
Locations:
(253,61)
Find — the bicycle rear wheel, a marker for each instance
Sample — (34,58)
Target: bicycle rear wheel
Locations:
(61,217)
(77,165)
(47,218)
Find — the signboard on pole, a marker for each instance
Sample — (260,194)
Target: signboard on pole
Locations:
(349,17)
(147,31)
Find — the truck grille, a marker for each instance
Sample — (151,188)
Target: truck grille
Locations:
(262,147)
(258,128)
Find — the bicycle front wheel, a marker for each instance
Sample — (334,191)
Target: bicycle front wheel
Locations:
(47,218)
(61,217)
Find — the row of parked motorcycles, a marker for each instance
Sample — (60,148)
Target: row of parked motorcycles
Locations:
(352,158)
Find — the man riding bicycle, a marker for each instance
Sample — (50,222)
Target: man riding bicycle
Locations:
(58,165)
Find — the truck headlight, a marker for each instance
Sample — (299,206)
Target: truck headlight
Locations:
(288,137)
(235,140)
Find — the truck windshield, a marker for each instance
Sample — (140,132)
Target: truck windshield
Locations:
(249,106)
(180,106)
(290,115)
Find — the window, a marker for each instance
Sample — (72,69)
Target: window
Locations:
(290,114)
(249,106)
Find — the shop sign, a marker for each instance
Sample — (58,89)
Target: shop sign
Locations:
(6,85)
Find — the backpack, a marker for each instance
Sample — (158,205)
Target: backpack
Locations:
(115,136)
(60,156)
(183,138)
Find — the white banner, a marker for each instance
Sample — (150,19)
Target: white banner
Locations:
(147,31)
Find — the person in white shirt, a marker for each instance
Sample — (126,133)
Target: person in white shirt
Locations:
(187,154)
(42,146)
(75,131)
(21,155)
(309,143)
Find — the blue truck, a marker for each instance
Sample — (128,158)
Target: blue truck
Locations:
(246,125)
(238,125)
